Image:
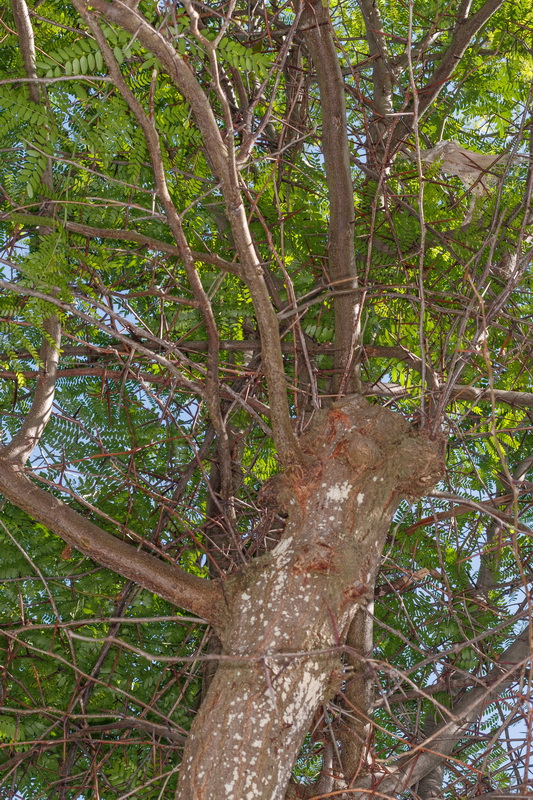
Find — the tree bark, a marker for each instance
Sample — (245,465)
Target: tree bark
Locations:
(318,36)
(292,607)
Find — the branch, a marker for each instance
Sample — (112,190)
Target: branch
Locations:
(403,354)
(431,786)
(465,31)
(148,241)
(524,791)
(27,47)
(444,739)
(151,136)
(376,389)
(22,444)
(174,584)
(36,91)
(503,518)
(132,723)
(336,150)
(122,723)
(512,398)
(427,756)
(181,75)
(459,392)
(189,592)
(382,71)
(181,380)
(490,557)
(355,733)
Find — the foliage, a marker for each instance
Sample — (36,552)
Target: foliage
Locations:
(101,679)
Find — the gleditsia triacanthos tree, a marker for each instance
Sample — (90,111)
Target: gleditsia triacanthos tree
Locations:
(265,369)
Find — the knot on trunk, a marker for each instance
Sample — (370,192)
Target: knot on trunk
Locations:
(361,460)
(420,464)
(354,439)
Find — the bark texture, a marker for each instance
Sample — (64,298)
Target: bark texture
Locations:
(291,609)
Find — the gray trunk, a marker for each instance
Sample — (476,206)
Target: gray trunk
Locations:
(361,460)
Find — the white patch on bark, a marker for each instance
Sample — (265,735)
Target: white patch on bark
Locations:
(360,498)
(306,696)
(280,551)
(338,493)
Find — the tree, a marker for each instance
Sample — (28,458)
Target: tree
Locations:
(265,379)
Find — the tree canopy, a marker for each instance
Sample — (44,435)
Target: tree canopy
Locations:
(266,401)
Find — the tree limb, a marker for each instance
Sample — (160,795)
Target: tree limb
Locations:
(429,754)
(199,596)
(181,380)
(465,31)
(149,242)
(382,71)
(27,47)
(122,723)
(336,150)
(217,151)
(151,136)
(22,444)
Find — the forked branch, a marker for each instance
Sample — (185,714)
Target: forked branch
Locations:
(223,166)
(465,30)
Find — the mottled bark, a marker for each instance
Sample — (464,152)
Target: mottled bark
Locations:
(292,608)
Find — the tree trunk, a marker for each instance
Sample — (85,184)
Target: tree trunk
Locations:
(290,610)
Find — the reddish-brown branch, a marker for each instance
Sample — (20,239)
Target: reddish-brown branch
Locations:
(181,380)
(152,244)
